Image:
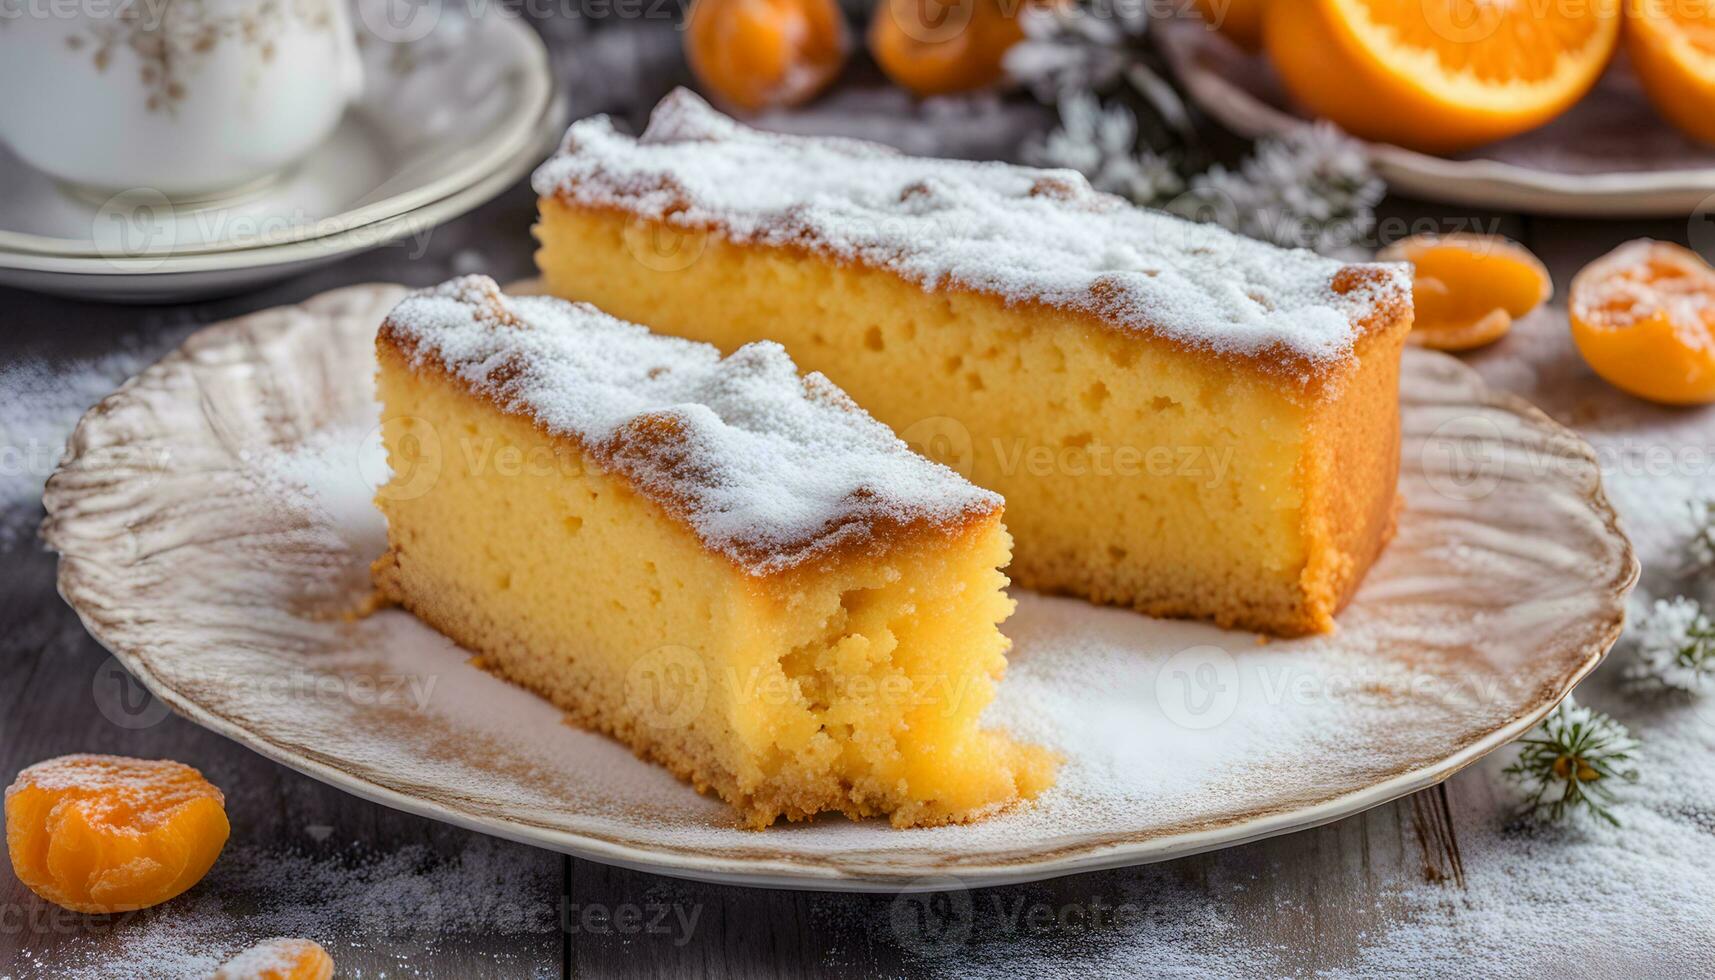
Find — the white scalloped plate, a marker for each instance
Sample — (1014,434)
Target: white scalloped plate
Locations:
(1610,155)
(212,519)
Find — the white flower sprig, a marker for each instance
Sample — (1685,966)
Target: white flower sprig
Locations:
(1069,48)
(1674,646)
(1101,143)
(1703,539)
(1570,761)
(1312,188)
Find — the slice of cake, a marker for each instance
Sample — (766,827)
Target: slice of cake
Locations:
(1181,420)
(730,568)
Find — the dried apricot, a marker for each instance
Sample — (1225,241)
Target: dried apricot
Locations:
(104,833)
(754,54)
(279,959)
(1468,289)
(1643,316)
(939,48)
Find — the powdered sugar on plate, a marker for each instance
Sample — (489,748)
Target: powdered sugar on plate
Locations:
(1022,234)
(768,468)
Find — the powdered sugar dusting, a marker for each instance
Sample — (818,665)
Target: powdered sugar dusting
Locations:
(768,468)
(1022,234)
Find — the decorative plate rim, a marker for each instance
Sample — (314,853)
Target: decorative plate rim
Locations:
(855,870)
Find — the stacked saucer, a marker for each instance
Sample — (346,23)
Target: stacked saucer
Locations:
(452,112)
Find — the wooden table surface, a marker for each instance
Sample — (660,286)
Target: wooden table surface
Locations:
(1310,899)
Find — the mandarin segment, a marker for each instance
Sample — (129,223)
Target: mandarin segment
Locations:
(1643,316)
(279,959)
(757,54)
(1671,44)
(938,49)
(102,833)
(1468,289)
(1439,75)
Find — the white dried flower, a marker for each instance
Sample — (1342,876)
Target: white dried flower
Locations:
(1071,48)
(1312,188)
(1703,540)
(1673,646)
(1101,143)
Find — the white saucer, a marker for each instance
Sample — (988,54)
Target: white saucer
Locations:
(446,122)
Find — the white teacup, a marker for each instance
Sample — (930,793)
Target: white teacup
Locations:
(191,98)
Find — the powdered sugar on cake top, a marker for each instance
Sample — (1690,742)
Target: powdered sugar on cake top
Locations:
(1023,234)
(767,467)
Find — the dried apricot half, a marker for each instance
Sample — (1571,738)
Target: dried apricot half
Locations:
(755,54)
(105,833)
(279,959)
(942,48)
(1643,316)
(1468,289)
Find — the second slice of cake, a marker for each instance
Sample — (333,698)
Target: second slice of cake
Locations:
(729,567)
(1181,420)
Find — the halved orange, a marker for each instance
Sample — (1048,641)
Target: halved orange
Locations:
(1468,288)
(1672,47)
(1643,316)
(1440,75)
(1240,20)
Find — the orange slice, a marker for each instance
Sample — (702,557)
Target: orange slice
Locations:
(103,833)
(1643,316)
(1672,48)
(1439,75)
(1468,289)
(1240,20)
(279,959)
(756,54)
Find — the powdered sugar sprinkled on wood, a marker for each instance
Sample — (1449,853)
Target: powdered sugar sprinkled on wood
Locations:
(1022,234)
